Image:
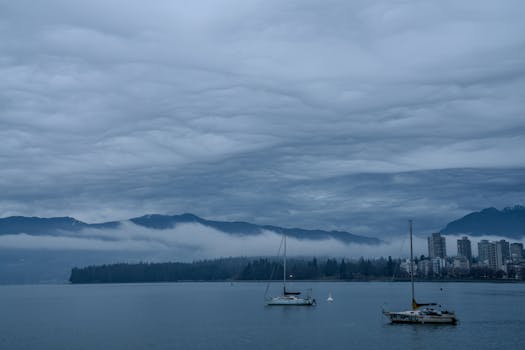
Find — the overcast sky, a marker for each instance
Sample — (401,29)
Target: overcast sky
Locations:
(352,115)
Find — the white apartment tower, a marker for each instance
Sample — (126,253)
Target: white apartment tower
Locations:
(437,247)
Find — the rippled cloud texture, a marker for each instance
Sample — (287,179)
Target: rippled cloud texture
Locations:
(351,115)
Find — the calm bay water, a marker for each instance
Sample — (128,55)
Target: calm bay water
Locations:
(225,316)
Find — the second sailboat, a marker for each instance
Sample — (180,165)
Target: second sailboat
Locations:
(288,297)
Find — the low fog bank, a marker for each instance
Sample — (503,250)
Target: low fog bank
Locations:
(192,241)
(29,259)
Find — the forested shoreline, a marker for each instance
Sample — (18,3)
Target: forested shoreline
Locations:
(254,269)
(243,269)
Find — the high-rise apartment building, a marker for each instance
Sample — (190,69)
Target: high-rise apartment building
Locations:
(516,251)
(437,246)
(483,251)
(499,253)
(465,248)
(492,256)
(503,251)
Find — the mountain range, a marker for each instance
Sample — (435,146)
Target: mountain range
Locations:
(60,225)
(508,222)
(43,250)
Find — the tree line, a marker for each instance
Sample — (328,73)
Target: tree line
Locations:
(258,269)
(245,269)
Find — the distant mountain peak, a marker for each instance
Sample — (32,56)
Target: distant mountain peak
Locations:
(508,222)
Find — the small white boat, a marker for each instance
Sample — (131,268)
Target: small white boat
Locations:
(288,298)
(330,299)
(420,313)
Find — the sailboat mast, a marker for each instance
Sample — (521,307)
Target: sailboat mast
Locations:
(284,263)
(411,262)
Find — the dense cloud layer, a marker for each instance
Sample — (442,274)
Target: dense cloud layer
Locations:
(352,115)
(188,242)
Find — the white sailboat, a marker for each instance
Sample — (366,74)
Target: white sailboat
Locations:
(330,299)
(429,313)
(289,298)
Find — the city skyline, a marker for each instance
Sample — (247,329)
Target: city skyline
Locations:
(496,255)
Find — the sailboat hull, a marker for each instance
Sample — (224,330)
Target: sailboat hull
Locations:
(421,317)
(290,300)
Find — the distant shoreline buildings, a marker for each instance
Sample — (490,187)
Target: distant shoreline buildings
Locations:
(495,258)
